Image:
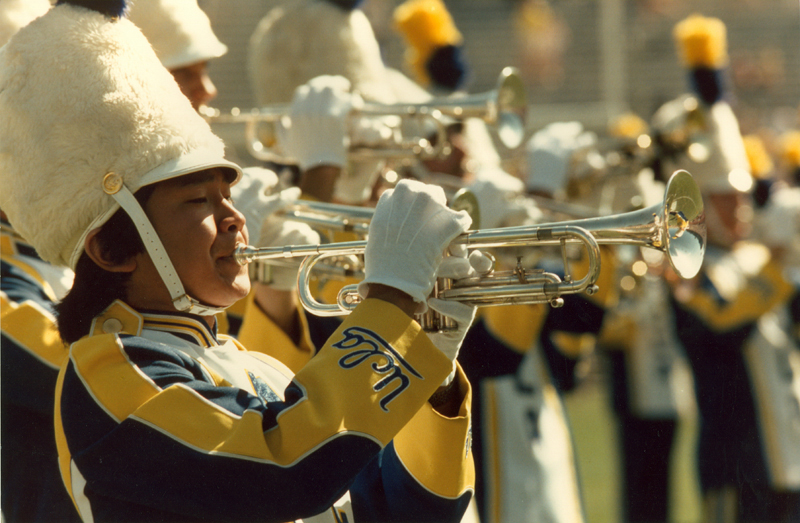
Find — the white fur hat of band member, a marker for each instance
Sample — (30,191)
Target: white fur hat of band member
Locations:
(179,31)
(778,223)
(722,166)
(16,14)
(296,42)
(82,94)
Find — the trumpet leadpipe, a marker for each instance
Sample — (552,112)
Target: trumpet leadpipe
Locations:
(331,216)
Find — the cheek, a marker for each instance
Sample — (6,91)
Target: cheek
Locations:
(192,239)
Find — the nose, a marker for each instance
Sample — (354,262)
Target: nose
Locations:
(232,219)
(205,91)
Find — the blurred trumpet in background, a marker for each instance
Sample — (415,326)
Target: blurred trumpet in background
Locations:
(504,109)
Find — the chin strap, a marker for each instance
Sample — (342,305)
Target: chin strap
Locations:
(113,185)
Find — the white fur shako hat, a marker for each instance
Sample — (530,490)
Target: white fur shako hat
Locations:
(16,14)
(89,116)
(724,161)
(178,30)
(308,38)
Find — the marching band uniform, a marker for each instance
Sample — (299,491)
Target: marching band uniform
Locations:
(149,395)
(721,316)
(521,359)
(516,357)
(272,45)
(32,352)
(258,442)
(31,355)
(645,364)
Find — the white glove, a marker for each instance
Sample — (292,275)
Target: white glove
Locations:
(354,185)
(356,182)
(278,232)
(456,266)
(497,193)
(317,134)
(253,197)
(408,234)
(549,153)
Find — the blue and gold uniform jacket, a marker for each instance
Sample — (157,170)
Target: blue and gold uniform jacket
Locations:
(520,359)
(714,323)
(31,353)
(158,418)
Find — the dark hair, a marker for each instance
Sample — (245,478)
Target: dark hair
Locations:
(94,288)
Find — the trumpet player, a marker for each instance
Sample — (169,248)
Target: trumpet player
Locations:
(182,37)
(32,486)
(521,440)
(159,417)
(743,453)
(273,40)
(523,358)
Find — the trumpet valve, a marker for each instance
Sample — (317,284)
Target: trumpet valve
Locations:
(348,298)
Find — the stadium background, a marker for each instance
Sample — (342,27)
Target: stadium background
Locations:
(585,60)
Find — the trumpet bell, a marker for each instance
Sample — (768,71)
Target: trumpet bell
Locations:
(511,110)
(684,216)
(675,226)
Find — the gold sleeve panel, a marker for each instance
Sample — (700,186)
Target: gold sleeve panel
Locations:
(260,334)
(516,326)
(371,377)
(9,250)
(436,450)
(762,293)
(33,329)
(574,344)
(619,331)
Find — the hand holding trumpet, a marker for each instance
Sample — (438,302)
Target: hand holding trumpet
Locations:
(410,230)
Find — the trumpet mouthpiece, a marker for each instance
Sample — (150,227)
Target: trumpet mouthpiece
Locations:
(243,254)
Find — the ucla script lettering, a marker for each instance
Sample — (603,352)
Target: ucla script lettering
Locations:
(364,344)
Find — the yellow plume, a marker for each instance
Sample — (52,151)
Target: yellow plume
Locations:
(627,125)
(702,42)
(760,163)
(426,26)
(790,148)
(535,18)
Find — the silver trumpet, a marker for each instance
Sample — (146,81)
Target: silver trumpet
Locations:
(503,109)
(676,227)
(334,217)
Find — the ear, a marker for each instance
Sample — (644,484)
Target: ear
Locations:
(93,248)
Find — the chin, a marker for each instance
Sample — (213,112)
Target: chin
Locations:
(224,294)
(242,287)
